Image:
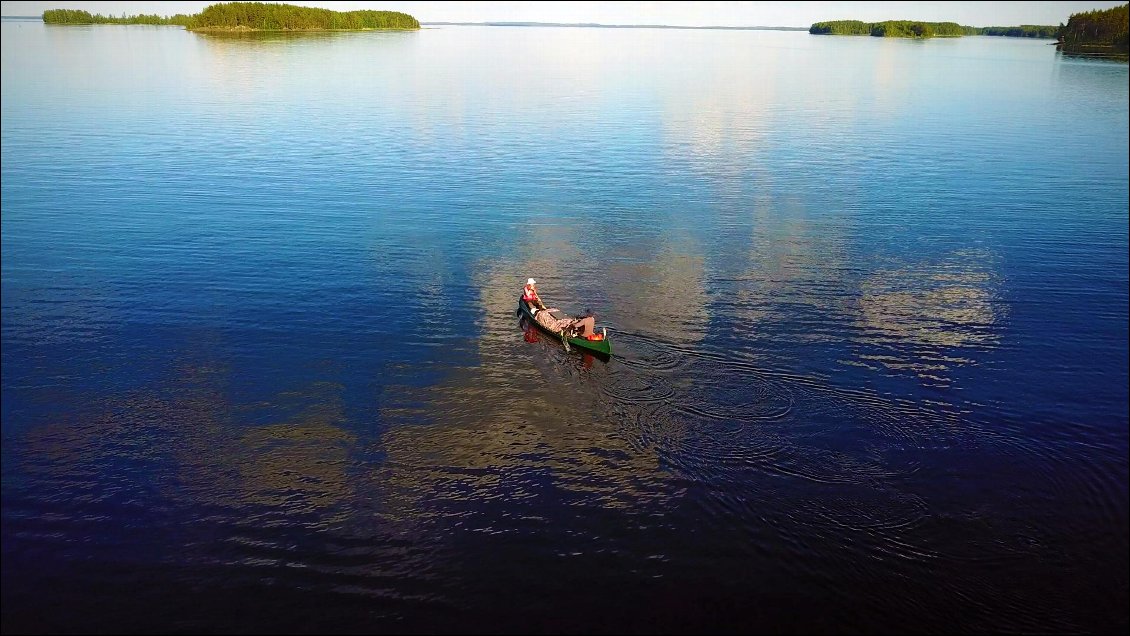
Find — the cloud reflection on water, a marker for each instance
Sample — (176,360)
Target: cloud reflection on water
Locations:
(929,318)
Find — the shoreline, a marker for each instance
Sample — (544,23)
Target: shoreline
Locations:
(247,29)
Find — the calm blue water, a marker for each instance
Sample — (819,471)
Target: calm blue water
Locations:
(261,367)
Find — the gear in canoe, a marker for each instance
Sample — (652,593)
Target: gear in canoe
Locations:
(578,331)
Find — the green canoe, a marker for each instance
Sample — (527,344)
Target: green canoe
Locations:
(598,347)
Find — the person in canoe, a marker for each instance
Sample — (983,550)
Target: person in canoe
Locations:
(544,315)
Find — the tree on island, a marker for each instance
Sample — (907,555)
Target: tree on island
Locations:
(77,16)
(1098,32)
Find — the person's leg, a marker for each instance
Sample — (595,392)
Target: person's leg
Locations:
(586,326)
(546,320)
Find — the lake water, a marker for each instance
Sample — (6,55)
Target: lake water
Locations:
(262,368)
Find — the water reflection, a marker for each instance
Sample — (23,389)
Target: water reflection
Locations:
(254,37)
(518,426)
(662,294)
(795,261)
(928,318)
(190,442)
(254,67)
(725,106)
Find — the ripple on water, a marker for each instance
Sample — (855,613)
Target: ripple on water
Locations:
(737,400)
(636,351)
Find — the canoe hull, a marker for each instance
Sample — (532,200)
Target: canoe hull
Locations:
(597,347)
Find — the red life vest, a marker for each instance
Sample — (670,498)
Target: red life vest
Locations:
(529,295)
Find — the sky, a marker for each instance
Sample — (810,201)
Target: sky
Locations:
(795,14)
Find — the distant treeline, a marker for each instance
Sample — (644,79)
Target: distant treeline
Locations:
(1023,31)
(915,29)
(890,28)
(73,16)
(1098,32)
(251,16)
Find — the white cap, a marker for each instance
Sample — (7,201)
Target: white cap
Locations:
(530,281)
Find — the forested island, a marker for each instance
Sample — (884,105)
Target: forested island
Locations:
(1098,32)
(1105,32)
(889,28)
(917,29)
(251,16)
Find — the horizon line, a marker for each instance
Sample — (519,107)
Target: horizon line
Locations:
(614,26)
